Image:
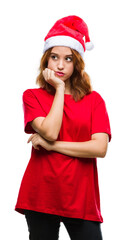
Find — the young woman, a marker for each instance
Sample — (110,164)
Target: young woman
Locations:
(70,129)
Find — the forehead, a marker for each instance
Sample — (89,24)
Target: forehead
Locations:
(61,50)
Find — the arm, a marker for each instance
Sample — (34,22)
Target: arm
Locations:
(49,126)
(96,147)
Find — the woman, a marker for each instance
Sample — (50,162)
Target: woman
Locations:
(70,129)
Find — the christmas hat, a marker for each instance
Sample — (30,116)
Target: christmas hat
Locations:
(71,32)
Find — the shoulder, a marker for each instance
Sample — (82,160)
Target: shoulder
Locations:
(95,97)
(32,93)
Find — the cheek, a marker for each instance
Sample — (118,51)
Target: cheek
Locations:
(50,64)
(71,69)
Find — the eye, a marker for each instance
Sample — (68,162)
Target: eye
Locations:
(54,57)
(69,59)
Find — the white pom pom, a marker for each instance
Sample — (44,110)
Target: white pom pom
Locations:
(89,45)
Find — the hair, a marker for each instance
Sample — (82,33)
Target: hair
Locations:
(79,81)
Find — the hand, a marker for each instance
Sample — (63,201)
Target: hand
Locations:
(50,77)
(37,141)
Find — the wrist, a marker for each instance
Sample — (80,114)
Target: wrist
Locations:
(54,146)
(61,87)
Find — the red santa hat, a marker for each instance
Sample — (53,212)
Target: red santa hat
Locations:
(71,32)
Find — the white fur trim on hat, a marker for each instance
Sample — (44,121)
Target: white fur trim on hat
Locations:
(65,41)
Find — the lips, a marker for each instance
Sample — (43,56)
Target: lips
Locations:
(61,74)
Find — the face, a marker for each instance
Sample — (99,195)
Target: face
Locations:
(61,62)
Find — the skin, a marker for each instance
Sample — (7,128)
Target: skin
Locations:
(96,147)
(60,60)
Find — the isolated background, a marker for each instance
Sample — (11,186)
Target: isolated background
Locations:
(24,25)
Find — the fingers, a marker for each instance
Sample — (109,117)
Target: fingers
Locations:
(30,138)
(33,136)
(48,74)
(34,139)
(36,147)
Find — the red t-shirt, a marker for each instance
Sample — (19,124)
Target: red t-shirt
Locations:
(56,183)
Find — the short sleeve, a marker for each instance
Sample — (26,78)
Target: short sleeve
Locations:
(100,118)
(32,109)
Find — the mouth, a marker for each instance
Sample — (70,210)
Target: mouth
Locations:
(61,74)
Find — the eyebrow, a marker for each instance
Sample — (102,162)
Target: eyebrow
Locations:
(68,55)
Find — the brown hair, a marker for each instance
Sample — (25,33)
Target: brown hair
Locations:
(80,80)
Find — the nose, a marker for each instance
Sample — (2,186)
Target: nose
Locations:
(60,64)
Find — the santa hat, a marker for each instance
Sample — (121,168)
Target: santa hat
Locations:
(71,32)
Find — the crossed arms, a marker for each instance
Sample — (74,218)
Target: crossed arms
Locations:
(47,130)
